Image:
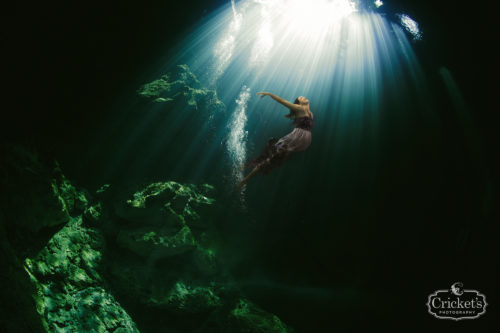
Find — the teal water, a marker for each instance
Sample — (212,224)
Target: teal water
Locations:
(357,230)
(313,237)
(320,240)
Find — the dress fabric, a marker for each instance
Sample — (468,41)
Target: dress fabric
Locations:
(278,151)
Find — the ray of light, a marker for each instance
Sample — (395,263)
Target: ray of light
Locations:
(353,67)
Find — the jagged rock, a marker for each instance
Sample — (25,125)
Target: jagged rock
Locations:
(181,84)
(162,243)
(31,209)
(70,295)
(93,214)
(247,317)
(74,200)
(17,306)
(74,252)
(104,193)
(183,298)
(77,278)
(204,260)
(171,254)
(166,204)
(149,280)
(37,202)
(103,188)
(181,78)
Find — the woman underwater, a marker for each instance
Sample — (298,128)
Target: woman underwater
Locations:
(279,151)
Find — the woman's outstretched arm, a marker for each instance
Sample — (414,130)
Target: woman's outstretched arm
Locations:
(280,100)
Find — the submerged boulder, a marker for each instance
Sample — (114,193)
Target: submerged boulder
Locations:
(166,204)
(159,228)
(147,242)
(35,202)
(183,298)
(181,85)
(74,200)
(70,290)
(31,192)
(175,270)
(77,263)
(247,317)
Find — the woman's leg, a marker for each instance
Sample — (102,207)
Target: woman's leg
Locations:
(266,153)
(250,175)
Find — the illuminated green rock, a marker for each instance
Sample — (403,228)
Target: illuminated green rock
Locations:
(37,197)
(170,191)
(183,298)
(70,296)
(183,85)
(166,204)
(93,214)
(73,200)
(82,264)
(147,242)
(247,317)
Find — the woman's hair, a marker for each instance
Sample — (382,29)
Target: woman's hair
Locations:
(292,112)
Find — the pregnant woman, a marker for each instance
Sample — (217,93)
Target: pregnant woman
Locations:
(278,151)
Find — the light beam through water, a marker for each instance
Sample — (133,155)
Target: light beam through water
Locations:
(353,66)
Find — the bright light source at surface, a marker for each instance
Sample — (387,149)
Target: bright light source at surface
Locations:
(316,11)
(311,16)
(347,62)
(378,3)
(410,25)
(264,28)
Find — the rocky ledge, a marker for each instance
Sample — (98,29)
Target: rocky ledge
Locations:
(143,259)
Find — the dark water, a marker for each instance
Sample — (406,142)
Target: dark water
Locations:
(340,237)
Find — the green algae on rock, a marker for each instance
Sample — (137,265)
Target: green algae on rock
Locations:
(71,295)
(184,298)
(247,317)
(166,203)
(176,270)
(41,200)
(149,262)
(73,200)
(31,210)
(147,242)
(172,190)
(182,83)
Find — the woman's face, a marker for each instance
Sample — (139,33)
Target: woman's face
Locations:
(303,100)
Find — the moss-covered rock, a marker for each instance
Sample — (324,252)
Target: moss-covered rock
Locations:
(73,200)
(70,290)
(184,298)
(75,264)
(93,214)
(28,191)
(160,243)
(167,204)
(246,317)
(181,84)
(17,306)
(159,228)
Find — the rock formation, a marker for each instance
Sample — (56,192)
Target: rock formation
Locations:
(113,261)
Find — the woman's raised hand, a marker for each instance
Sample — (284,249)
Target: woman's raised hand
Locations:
(262,94)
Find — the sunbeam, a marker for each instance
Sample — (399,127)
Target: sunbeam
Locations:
(353,65)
